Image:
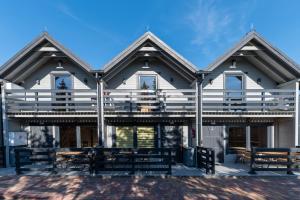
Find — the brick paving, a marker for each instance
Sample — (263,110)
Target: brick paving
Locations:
(81,187)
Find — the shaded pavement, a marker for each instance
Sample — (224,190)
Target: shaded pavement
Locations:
(81,187)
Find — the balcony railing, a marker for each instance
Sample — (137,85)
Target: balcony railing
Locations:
(251,100)
(34,100)
(145,101)
(20,101)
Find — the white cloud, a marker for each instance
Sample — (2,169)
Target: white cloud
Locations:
(215,24)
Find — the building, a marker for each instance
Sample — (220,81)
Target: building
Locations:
(150,96)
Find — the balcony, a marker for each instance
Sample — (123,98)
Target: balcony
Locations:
(150,103)
(270,102)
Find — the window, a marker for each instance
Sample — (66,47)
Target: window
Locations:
(63,82)
(147,82)
(234,82)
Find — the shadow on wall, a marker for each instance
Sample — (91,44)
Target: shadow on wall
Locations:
(42,137)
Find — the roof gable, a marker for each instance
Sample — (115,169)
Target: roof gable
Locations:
(265,55)
(24,55)
(146,43)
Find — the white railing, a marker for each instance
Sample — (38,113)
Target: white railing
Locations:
(172,100)
(150,101)
(252,100)
(80,100)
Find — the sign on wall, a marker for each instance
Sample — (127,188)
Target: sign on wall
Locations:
(18,138)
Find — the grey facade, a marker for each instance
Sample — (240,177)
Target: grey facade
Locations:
(150,96)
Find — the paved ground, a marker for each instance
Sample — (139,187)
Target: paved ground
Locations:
(81,187)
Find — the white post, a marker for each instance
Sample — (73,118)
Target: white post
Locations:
(185,135)
(102,113)
(78,137)
(271,136)
(248,138)
(197,115)
(297,115)
(5,126)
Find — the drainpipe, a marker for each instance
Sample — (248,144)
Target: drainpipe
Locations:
(4,125)
(100,109)
(199,86)
(297,115)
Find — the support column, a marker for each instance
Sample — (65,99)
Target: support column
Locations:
(297,115)
(248,138)
(5,126)
(271,136)
(100,110)
(200,78)
(78,137)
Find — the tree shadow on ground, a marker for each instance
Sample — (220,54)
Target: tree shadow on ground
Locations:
(141,187)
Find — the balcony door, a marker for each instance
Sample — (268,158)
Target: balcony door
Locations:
(62,82)
(233,86)
(147,82)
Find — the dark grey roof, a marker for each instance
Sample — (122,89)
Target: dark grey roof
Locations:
(150,36)
(253,35)
(44,36)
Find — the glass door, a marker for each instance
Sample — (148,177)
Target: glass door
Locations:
(148,82)
(61,83)
(234,94)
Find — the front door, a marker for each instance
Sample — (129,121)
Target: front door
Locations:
(67,136)
(213,137)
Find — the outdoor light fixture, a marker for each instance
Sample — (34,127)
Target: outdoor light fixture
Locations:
(38,82)
(85,81)
(233,64)
(211,81)
(124,81)
(146,65)
(59,65)
(258,80)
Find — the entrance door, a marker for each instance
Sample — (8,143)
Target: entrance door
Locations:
(236,139)
(89,137)
(259,135)
(213,138)
(67,136)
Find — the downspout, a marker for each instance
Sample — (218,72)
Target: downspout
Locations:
(4,125)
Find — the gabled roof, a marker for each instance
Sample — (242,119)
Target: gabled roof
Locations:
(148,36)
(287,62)
(35,43)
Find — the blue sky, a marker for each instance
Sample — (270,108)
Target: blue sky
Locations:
(200,30)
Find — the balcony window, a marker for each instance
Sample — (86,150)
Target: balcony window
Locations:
(62,82)
(147,82)
(234,83)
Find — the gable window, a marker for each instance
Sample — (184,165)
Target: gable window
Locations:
(62,82)
(233,87)
(147,82)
